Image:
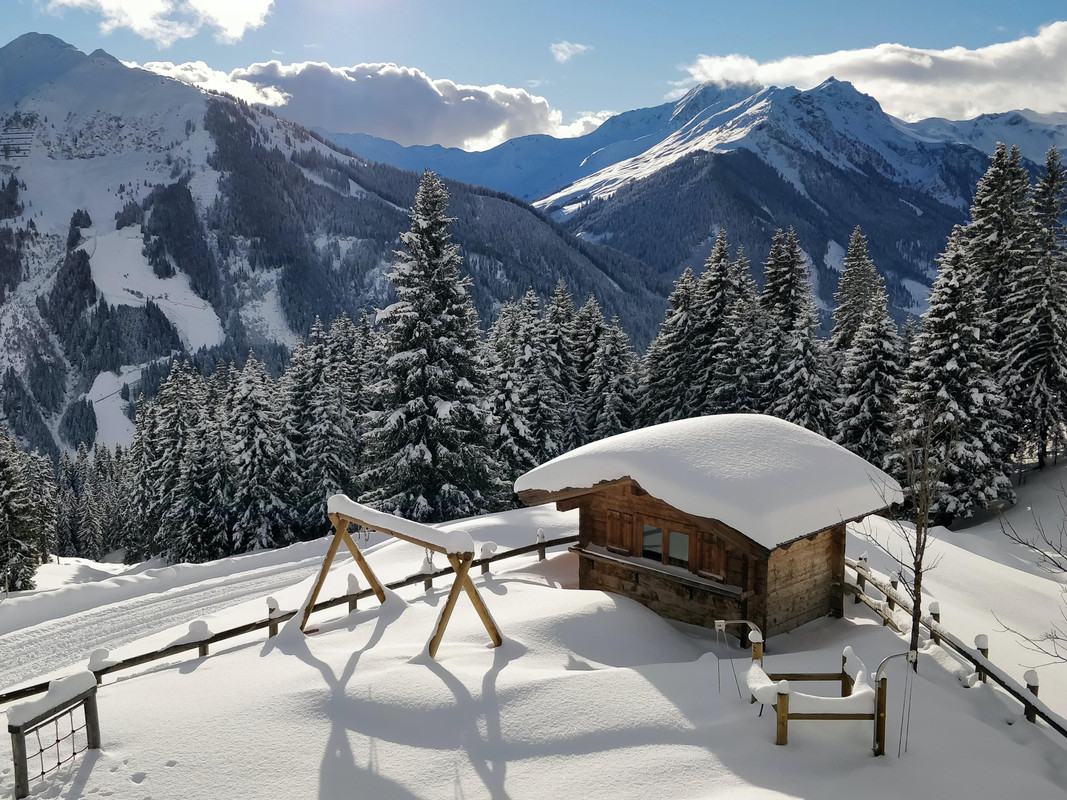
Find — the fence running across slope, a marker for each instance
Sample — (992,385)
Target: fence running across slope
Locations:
(271,622)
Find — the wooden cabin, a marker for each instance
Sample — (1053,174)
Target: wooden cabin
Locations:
(738,516)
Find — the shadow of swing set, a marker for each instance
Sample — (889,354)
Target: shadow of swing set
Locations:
(456,546)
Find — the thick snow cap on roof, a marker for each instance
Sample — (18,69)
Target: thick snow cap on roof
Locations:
(770,479)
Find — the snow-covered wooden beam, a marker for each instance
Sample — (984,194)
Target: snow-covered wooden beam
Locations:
(458,547)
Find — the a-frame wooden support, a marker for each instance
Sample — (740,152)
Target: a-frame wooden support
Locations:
(461,563)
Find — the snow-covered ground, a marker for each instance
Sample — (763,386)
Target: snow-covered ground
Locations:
(591,695)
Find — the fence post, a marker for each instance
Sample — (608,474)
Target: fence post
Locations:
(935,615)
(894,581)
(846,679)
(861,578)
(1031,686)
(879,717)
(756,639)
(202,649)
(782,708)
(981,644)
(427,570)
(541,543)
(22,773)
(92,722)
(272,610)
(488,548)
(353,590)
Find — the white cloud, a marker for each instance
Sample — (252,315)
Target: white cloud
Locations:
(200,74)
(166,21)
(914,83)
(565,51)
(394,102)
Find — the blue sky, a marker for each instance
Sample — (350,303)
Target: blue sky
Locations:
(622,55)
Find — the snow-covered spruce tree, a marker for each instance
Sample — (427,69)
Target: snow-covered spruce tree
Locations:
(510,435)
(560,355)
(66,506)
(1035,346)
(870,378)
(950,407)
(428,445)
(90,538)
(997,240)
(589,325)
(18,553)
(717,288)
(859,286)
(344,373)
(146,512)
(670,360)
(804,387)
(538,393)
(200,509)
(41,481)
(786,287)
(739,352)
(612,385)
(262,518)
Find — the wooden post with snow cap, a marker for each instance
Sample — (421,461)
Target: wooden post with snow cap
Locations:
(488,548)
(894,581)
(756,639)
(935,616)
(981,644)
(782,709)
(541,541)
(353,590)
(1030,676)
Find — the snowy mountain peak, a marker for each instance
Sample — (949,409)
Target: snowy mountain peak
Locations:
(32,60)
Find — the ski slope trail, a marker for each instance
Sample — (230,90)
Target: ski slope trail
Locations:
(39,650)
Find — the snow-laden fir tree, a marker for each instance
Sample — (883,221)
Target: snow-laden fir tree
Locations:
(612,386)
(859,286)
(262,517)
(18,554)
(538,392)
(670,359)
(589,326)
(719,285)
(1035,311)
(786,287)
(510,437)
(950,398)
(558,330)
(66,507)
(41,482)
(344,373)
(178,407)
(146,516)
(804,387)
(997,240)
(90,536)
(870,378)
(428,445)
(739,352)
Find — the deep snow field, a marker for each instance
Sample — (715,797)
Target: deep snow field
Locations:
(591,695)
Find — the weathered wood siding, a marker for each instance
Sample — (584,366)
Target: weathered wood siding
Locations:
(666,597)
(804,580)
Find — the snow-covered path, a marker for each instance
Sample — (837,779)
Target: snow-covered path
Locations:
(39,650)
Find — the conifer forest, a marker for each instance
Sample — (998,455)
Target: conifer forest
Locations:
(427,411)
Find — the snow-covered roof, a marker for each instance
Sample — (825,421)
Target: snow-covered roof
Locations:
(769,479)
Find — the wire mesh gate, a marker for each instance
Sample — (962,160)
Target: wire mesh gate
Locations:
(53,738)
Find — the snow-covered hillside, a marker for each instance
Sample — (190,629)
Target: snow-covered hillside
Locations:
(591,695)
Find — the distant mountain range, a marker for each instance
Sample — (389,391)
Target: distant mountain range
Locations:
(658,182)
(205,225)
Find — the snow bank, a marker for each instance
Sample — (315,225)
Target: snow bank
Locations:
(452,541)
(770,479)
(60,691)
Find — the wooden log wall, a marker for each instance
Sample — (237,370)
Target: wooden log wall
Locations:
(803,581)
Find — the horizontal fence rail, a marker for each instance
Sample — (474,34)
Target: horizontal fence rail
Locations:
(1031,705)
(350,599)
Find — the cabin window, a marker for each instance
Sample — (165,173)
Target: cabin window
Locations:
(664,544)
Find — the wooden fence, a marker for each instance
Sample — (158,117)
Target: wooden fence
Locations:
(977,656)
(273,620)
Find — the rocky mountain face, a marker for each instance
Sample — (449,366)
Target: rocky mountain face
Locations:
(141,217)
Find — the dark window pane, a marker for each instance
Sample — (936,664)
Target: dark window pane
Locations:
(652,542)
(678,554)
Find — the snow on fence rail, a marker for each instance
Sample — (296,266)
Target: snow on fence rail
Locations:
(977,655)
(101,665)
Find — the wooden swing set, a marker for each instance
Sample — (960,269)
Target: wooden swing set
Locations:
(456,546)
